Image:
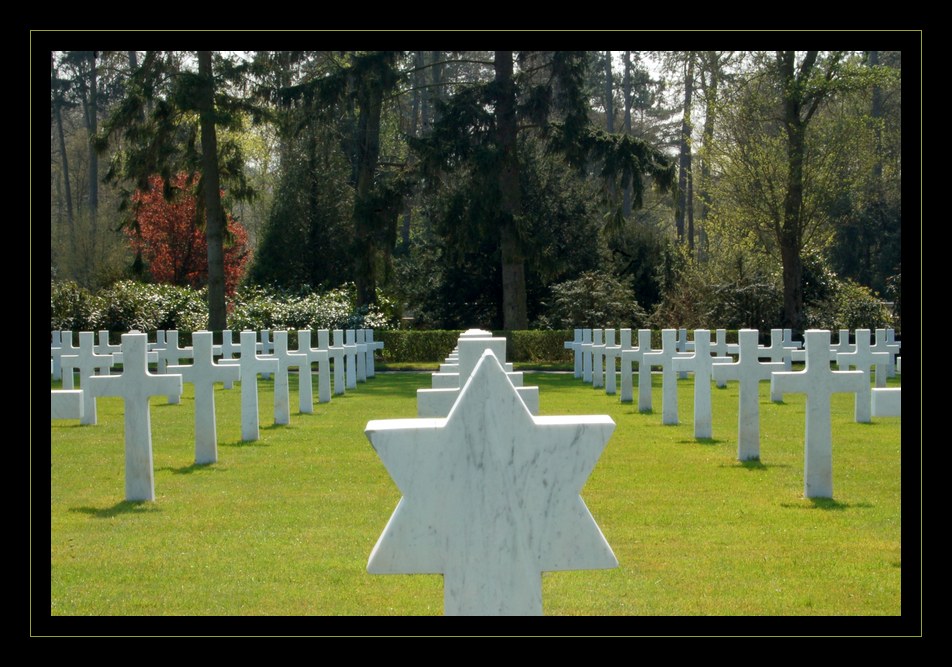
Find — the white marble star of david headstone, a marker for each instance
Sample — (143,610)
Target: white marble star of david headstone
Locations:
(490,497)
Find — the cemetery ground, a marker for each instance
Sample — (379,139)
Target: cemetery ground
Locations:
(284,525)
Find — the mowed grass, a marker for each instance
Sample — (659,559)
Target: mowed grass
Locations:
(284,525)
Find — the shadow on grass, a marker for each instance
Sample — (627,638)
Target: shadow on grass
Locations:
(825,504)
(754,464)
(702,441)
(244,443)
(124,507)
(188,470)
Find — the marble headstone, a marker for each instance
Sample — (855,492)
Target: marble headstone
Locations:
(490,497)
(575,345)
(644,372)
(598,345)
(336,354)
(887,402)
(203,374)
(66,403)
(286,361)
(819,383)
(586,347)
(87,362)
(135,385)
(701,362)
(669,386)
(251,366)
(862,358)
(323,373)
(748,371)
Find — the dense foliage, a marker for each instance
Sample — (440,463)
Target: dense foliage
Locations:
(478,188)
(168,234)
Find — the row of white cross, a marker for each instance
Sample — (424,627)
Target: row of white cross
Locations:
(458,367)
(817,380)
(352,359)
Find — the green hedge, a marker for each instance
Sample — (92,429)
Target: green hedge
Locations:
(413,345)
(537,346)
(430,346)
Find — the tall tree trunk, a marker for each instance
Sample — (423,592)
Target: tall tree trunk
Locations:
(211,191)
(609,94)
(67,192)
(791,231)
(626,87)
(370,101)
(418,82)
(690,206)
(710,82)
(91,128)
(790,241)
(876,113)
(684,157)
(609,114)
(514,308)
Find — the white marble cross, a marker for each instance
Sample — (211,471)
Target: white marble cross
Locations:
(490,497)
(612,355)
(597,346)
(323,373)
(56,350)
(361,343)
(105,347)
(286,361)
(644,372)
(586,348)
(883,345)
(372,347)
(788,340)
(87,362)
(575,346)
(228,349)
(721,348)
(684,346)
(842,344)
(862,358)
(749,371)
(159,343)
(172,354)
(669,386)
(63,346)
(266,348)
(604,354)
(135,385)
(336,354)
(701,362)
(818,382)
(349,342)
(777,352)
(251,366)
(203,374)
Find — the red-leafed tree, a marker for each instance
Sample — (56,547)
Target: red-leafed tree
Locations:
(169,235)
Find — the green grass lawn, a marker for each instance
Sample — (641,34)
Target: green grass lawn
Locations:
(284,525)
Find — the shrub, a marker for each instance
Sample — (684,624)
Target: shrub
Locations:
(73,308)
(594,299)
(536,346)
(401,345)
(131,305)
(257,308)
(849,306)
